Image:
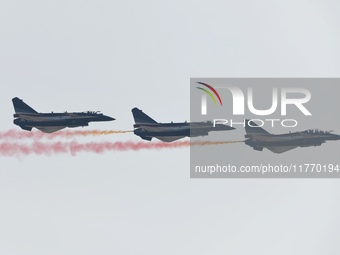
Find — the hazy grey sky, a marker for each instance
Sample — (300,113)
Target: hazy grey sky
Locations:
(113,56)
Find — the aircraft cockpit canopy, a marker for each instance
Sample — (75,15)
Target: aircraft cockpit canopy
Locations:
(94,112)
(317,131)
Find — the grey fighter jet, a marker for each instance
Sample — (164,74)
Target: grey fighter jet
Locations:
(258,138)
(27,118)
(147,128)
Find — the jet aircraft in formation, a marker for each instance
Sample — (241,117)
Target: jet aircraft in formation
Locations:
(258,138)
(27,118)
(147,128)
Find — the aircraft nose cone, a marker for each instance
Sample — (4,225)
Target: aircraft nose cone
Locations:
(331,137)
(223,127)
(108,118)
(335,137)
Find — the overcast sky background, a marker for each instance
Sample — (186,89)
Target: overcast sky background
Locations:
(113,56)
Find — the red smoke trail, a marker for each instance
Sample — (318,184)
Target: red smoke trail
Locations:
(14,134)
(39,148)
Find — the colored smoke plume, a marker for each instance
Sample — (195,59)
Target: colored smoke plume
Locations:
(14,134)
(41,148)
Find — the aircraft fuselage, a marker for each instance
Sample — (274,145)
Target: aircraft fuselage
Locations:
(291,140)
(176,130)
(57,121)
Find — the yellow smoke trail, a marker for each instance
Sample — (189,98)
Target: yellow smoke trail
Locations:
(203,143)
(68,133)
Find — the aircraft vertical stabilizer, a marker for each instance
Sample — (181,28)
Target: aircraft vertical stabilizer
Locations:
(141,118)
(252,128)
(21,107)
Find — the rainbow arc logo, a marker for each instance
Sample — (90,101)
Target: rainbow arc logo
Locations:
(209,92)
(213,95)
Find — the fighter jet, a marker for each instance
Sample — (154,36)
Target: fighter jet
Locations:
(258,138)
(27,118)
(147,128)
